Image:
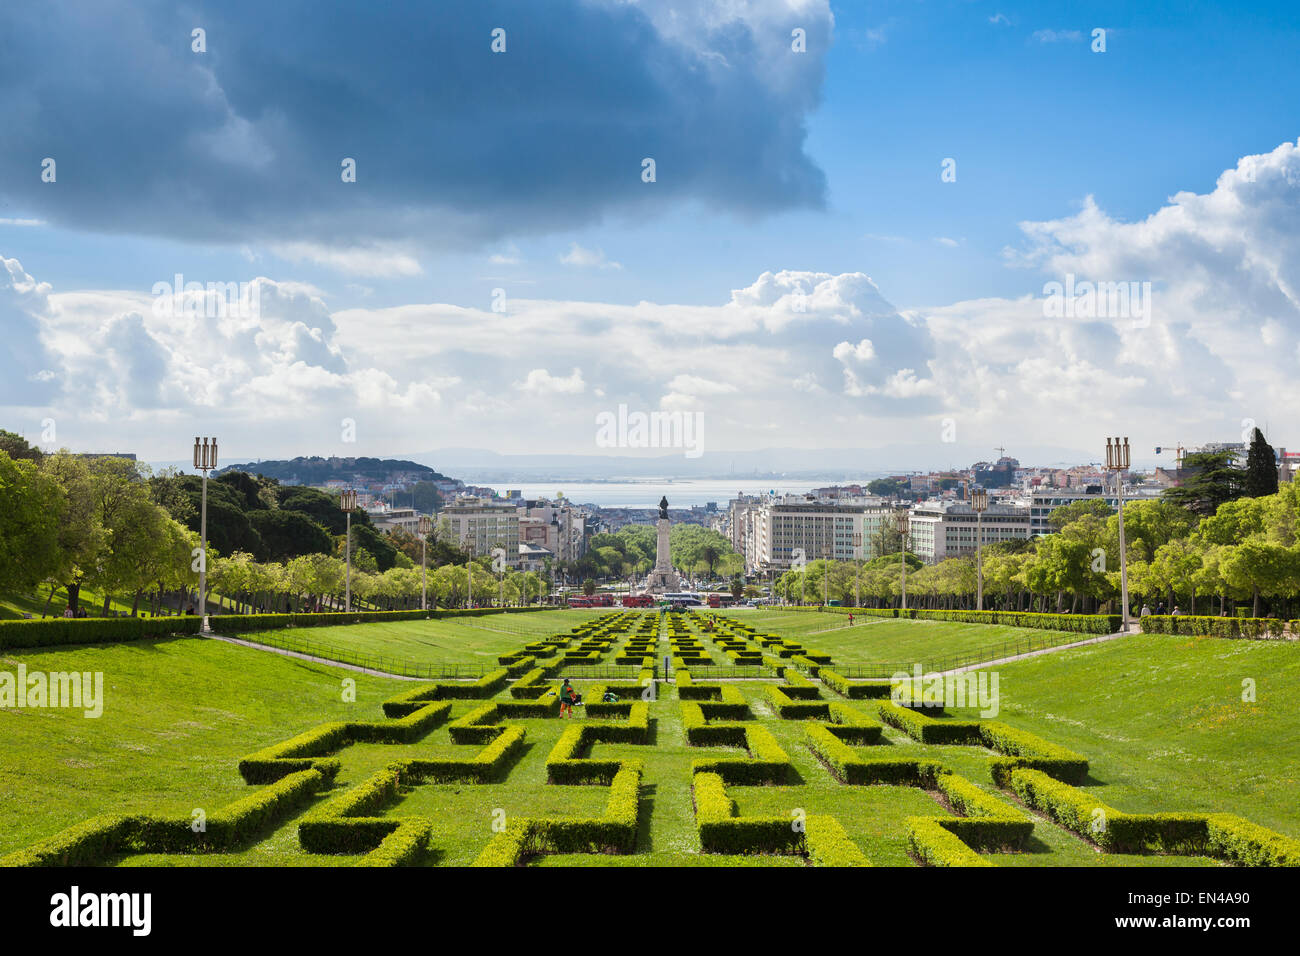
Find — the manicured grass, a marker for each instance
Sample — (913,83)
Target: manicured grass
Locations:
(178,715)
(875,639)
(1163,723)
(472,640)
(1158,717)
(15,605)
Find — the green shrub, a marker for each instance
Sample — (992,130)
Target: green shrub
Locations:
(926,729)
(60,631)
(935,845)
(1024,749)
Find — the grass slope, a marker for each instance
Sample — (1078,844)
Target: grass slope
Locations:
(473,640)
(178,715)
(1163,722)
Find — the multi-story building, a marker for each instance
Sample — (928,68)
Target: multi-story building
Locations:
(481,524)
(946,529)
(559,527)
(386,519)
(791,526)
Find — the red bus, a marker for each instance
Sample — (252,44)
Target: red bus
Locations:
(638,600)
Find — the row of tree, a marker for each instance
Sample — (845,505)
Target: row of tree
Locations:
(1247,552)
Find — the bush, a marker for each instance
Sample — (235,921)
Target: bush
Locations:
(1247,844)
(935,845)
(767,762)
(1256,628)
(926,729)
(403,847)
(854,690)
(1024,749)
(60,631)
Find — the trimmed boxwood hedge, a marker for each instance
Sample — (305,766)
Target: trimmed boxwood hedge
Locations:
(1076,623)
(1255,628)
(614,831)
(59,631)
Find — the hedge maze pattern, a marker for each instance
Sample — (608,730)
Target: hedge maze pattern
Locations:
(1031,782)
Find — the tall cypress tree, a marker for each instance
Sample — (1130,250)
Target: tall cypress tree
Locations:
(1261,468)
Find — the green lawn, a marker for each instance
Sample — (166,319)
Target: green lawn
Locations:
(1159,718)
(1163,723)
(876,639)
(178,715)
(475,640)
(37,603)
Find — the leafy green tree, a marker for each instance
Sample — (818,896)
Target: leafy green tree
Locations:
(288,534)
(1261,468)
(1075,510)
(17,447)
(1212,480)
(31,508)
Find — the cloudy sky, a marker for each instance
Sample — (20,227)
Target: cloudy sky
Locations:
(848,233)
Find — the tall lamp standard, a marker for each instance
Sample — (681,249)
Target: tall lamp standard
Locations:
(205,459)
(1117,460)
(424,527)
(903,522)
(348,502)
(979,502)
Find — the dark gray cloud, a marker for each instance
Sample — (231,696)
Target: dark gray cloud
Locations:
(453,143)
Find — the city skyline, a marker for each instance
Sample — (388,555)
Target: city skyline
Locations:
(802,284)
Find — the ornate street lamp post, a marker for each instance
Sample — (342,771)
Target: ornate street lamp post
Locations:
(423,527)
(1117,460)
(979,502)
(904,517)
(348,502)
(205,460)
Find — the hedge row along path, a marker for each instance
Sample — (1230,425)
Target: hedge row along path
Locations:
(804,768)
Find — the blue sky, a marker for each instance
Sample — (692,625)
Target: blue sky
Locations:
(520,172)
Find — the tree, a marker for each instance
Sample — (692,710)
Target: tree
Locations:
(31,506)
(589,587)
(17,447)
(1075,510)
(887,487)
(1261,468)
(287,534)
(1212,480)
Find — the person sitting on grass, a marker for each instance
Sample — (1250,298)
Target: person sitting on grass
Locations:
(610,697)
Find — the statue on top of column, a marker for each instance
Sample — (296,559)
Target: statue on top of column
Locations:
(663,507)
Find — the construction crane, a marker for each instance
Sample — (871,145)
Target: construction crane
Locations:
(1001,450)
(1178,454)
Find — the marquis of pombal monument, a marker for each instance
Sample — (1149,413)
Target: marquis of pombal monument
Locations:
(663,577)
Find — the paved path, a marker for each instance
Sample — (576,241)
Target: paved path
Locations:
(315,660)
(841,627)
(1046,650)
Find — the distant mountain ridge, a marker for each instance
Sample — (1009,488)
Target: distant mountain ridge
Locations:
(315,470)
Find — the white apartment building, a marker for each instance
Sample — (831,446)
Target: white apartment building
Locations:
(385,519)
(946,529)
(481,524)
(791,525)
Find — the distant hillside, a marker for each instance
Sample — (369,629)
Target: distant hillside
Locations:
(317,471)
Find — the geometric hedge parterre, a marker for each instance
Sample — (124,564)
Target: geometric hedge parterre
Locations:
(729,734)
